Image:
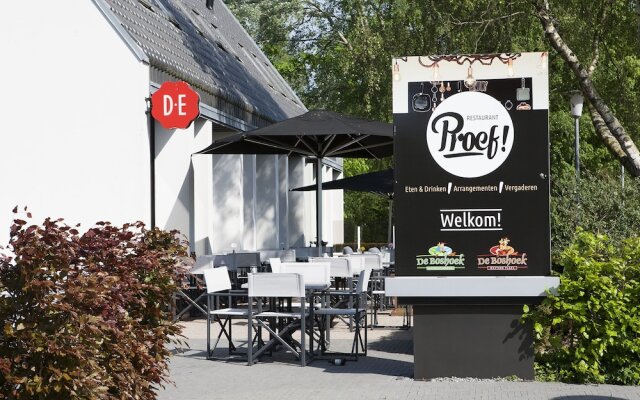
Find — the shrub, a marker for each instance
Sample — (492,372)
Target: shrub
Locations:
(87,316)
(590,331)
(597,203)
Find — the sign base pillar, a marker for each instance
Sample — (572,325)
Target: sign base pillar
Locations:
(478,341)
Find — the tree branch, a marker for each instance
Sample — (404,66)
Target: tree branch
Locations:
(330,18)
(630,156)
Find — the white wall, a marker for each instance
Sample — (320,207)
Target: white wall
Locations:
(332,208)
(249,202)
(174,175)
(297,213)
(267,226)
(75,144)
(228,207)
(74,139)
(283,201)
(202,190)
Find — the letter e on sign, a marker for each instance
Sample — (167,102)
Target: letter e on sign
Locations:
(175,105)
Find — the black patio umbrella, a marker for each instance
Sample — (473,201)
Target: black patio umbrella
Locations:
(379,182)
(318,134)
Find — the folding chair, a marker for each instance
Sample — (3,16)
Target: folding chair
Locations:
(317,275)
(340,268)
(219,285)
(277,285)
(374,261)
(275,264)
(359,314)
(203,262)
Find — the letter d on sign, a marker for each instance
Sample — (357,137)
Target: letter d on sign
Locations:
(167,105)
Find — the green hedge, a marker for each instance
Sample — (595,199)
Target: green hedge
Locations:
(590,331)
(87,315)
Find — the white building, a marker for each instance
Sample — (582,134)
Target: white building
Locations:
(77,141)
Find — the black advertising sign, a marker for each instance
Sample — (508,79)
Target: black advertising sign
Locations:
(472,165)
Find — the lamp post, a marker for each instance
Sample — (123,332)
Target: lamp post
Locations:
(576,111)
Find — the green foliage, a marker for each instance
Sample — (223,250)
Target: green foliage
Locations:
(598,204)
(337,55)
(86,316)
(590,330)
(367,210)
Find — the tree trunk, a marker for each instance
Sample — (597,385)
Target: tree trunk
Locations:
(605,122)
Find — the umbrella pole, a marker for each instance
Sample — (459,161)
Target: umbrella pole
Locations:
(319,205)
(390,225)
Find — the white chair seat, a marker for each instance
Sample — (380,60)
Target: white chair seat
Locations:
(277,314)
(240,312)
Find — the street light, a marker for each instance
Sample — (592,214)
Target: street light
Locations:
(576,111)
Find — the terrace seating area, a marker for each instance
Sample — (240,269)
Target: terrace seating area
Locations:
(289,304)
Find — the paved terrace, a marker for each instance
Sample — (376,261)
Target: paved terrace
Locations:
(386,373)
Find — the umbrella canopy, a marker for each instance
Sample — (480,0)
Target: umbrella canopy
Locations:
(316,133)
(379,182)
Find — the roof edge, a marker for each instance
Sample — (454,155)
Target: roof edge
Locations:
(124,35)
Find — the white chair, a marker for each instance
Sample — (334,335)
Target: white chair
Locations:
(339,267)
(317,275)
(218,284)
(275,264)
(358,312)
(277,285)
(202,263)
(374,261)
(357,263)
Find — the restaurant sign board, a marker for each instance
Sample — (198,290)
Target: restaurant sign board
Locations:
(472,165)
(175,105)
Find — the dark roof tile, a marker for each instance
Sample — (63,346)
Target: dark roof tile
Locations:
(210,50)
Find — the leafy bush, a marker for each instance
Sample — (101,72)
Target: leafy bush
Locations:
(590,331)
(597,203)
(87,316)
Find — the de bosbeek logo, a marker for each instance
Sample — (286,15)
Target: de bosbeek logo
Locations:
(175,105)
(440,258)
(470,134)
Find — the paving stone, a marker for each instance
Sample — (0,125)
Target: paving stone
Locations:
(386,373)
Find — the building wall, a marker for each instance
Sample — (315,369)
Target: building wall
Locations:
(74,139)
(75,144)
(332,208)
(266,203)
(203,220)
(297,212)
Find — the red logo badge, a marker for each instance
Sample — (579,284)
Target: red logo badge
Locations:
(175,105)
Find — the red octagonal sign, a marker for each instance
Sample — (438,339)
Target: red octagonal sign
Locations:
(175,105)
